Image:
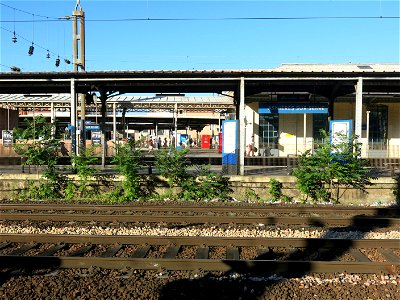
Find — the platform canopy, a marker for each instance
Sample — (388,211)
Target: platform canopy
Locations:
(329,80)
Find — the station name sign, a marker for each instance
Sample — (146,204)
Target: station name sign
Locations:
(292,108)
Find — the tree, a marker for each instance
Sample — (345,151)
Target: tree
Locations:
(321,175)
(39,146)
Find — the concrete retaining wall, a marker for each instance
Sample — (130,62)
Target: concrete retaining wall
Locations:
(244,187)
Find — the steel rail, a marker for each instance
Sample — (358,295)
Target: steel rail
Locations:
(200,240)
(170,262)
(161,264)
(242,208)
(359,221)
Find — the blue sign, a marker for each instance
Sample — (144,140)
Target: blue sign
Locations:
(230,142)
(92,127)
(292,108)
(340,131)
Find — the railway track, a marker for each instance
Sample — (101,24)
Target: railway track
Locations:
(241,255)
(195,214)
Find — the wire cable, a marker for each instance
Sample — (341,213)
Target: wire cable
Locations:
(216,19)
(26,12)
(33,43)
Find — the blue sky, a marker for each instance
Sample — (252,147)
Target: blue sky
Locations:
(208,38)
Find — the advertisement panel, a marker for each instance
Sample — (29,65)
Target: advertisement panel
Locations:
(96,137)
(7,138)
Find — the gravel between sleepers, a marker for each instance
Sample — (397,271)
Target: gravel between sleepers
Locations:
(128,284)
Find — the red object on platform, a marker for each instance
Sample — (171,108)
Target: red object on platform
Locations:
(205,141)
(220,143)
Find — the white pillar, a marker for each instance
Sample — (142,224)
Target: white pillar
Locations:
(52,119)
(242,127)
(367,137)
(8,116)
(358,113)
(304,132)
(114,123)
(176,125)
(74,143)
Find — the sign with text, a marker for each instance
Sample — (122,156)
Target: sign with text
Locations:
(96,137)
(292,108)
(230,142)
(7,136)
(341,130)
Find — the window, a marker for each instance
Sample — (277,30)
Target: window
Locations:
(378,124)
(269,129)
(320,121)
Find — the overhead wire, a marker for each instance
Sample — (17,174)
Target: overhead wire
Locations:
(26,12)
(33,43)
(218,19)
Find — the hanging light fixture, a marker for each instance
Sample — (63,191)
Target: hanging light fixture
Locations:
(48,54)
(58,62)
(31,48)
(15,69)
(14,38)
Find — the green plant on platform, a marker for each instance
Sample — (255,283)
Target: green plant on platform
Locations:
(396,190)
(39,146)
(127,159)
(205,186)
(320,175)
(250,195)
(36,143)
(173,165)
(83,163)
(275,189)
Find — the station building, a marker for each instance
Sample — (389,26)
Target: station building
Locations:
(280,111)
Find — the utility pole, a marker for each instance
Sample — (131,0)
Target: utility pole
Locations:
(78,32)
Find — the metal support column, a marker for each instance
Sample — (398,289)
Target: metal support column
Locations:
(242,127)
(367,137)
(114,124)
(358,113)
(52,119)
(176,125)
(73,118)
(304,132)
(8,116)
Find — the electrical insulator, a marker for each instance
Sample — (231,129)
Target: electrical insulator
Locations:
(48,54)
(57,62)
(15,69)
(30,51)
(14,38)
(67,61)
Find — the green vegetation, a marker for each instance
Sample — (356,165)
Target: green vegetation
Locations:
(275,189)
(250,195)
(38,145)
(128,161)
(320,175)
(203,185)
(83,165)
(173,165)
(90,186)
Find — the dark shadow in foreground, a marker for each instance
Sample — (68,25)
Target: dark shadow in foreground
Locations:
(252,282)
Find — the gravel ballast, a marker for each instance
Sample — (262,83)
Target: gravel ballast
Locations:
(106,284)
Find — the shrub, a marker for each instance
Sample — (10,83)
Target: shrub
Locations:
(275,189)
(173,165)
(320,175)
(127,160)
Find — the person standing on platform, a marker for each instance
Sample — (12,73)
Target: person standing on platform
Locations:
(250,146)
(151,145)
